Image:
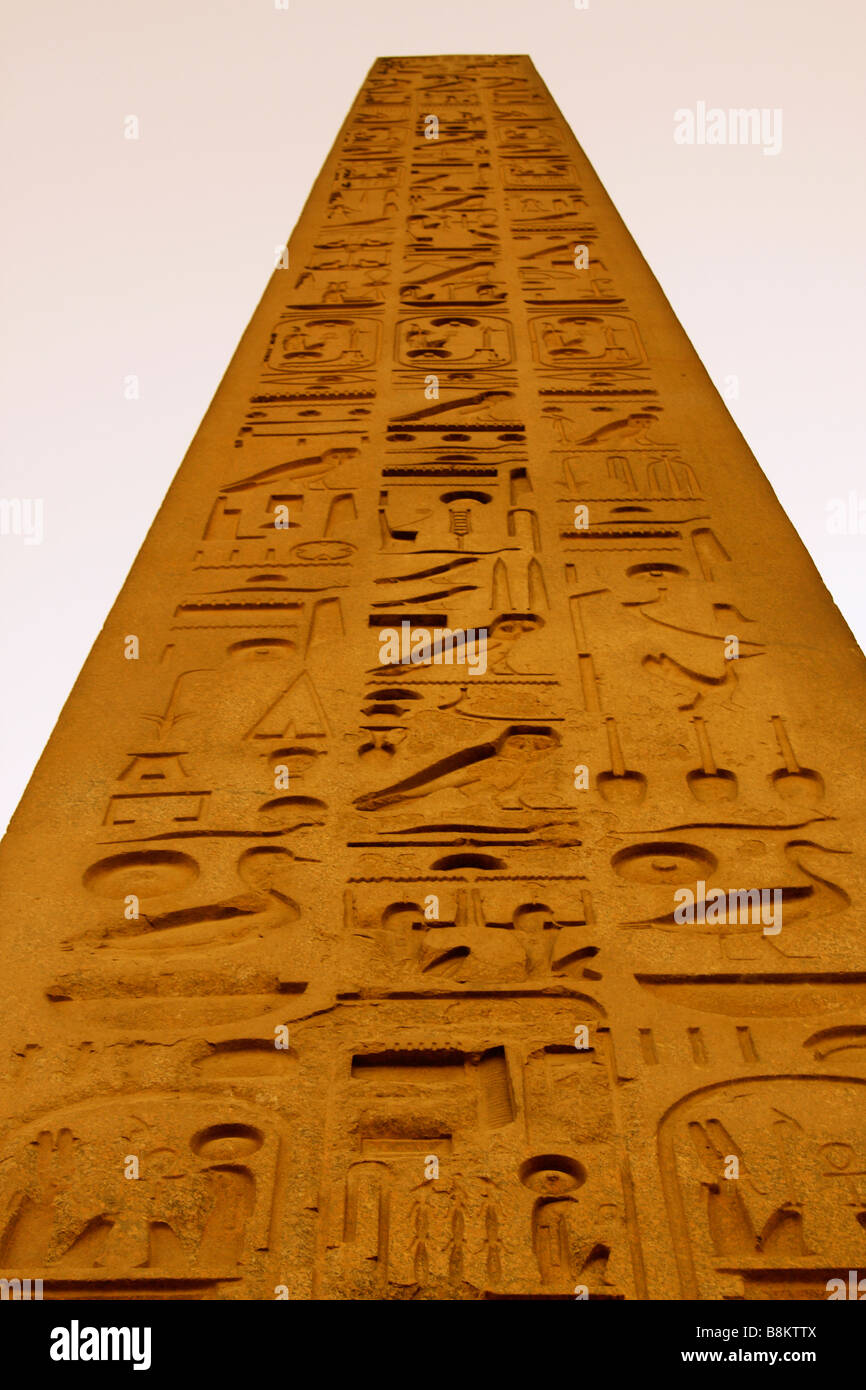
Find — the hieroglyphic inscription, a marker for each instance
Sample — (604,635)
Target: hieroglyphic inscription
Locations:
(355,977)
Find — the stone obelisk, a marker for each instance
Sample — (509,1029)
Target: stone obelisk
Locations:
(443,879)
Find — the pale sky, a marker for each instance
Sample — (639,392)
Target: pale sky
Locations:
(147,257)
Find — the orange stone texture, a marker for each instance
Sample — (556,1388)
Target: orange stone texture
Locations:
(345,963)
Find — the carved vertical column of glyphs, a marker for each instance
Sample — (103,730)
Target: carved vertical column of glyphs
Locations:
(701,693)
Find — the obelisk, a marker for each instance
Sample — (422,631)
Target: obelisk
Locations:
(442,881)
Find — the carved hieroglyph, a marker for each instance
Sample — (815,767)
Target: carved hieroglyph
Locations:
(329,976)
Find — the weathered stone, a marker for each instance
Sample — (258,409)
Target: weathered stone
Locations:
(329,976)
